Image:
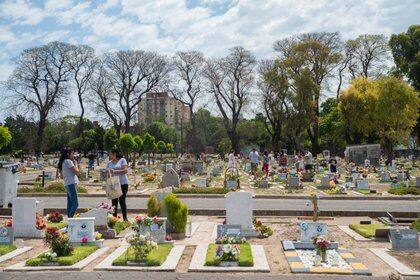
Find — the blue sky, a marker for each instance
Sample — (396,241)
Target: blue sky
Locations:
(210,26)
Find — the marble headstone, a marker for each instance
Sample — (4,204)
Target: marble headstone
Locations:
(24,211)
(170,179)
(404,239)
(239,207)
(293,182)
(6,235)
(81,228)
(228,230)
(100,215)
(310,229)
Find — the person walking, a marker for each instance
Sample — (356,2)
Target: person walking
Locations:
(254,158)
(266,162)
(231,161)
(67,165)
(117,166)
(308,161)
(282,160)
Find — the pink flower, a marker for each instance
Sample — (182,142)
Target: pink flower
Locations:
(85,239)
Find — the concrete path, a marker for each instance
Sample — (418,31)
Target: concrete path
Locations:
(202,235)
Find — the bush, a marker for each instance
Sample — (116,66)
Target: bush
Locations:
(404,190)
(177,213)
(120,226)
(55,187)
(153,206)
(210,190)
(416,225)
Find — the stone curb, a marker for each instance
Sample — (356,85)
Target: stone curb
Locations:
(168,265)
(14,253)
(394,263)
(77,266)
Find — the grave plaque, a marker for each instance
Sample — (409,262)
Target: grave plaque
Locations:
(6,235)
(418,181)
(158,233)
(239,207)
(310,229)
(170,179)
(81,230)
(362,184)
(201,182)
(228,230)
(293,182)
(404,239)
(282,176)
(325,182)
(168,166)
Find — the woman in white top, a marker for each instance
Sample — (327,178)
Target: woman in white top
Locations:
(231,160)
(117,166)
(67,165)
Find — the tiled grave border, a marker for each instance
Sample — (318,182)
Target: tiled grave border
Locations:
(77,266)
(14,253)
(394,263)
(258,255)
(168,265)
(297,266)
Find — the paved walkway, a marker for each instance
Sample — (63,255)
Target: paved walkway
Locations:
(203,235)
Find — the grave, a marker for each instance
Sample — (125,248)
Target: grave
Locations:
(228,230)
(6,235)
(247,167)
(308,230)
(157,233)
(185,177)
(200,182)
(385,176)
(198,167)
(170,179)
(187,167)
(362,184)
(239,207)
(401,176)
(24,211)
(81,230)
(404,239)
(263,183)
(101,221)
(169,166)
(293,182)
(216,171)
(418,181)
(325,182)
(282,176)
(307,176)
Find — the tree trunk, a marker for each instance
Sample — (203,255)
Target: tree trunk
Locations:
(40,133)
(234,140)
(82,107)
(389,149)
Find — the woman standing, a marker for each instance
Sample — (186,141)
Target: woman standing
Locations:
(231,161)
(266,161)
(117,166)
(67,165)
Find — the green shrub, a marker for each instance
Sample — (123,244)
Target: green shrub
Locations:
(177,213)
(404,190)
(55,187)
(416,225)
(120,226)
(153,206)
(210,190)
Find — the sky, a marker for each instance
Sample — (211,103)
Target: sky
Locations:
(210,26)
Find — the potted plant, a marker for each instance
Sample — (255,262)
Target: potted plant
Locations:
(321,246)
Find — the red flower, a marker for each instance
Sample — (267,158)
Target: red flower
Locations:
(8,223)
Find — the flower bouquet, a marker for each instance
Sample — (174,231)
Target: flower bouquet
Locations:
(55,217)
(107,206)
(39,222)
(228,254)
(57,242)
(8,223)
(142,246)
(230,240)
(321,246)
(143,221)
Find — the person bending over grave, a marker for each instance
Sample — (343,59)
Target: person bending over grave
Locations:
(67,165)
(117,166)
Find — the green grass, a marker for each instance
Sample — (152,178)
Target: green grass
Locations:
(244,259)
(59,225)
(120,226)
(155,257)
(404,190)
(367,231)
(6,248)
(51,188)
(209,190)
(416,225)
(79,253)
(363,191)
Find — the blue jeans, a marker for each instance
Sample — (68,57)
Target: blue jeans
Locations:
(72,201)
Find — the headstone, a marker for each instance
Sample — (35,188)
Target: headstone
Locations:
(160,196)
(157,233)
(198,167)
(201,182)
(401,176)
(6,235)
(169,166)
(247,167)
(170,179)
(263,184)
(144,169)
(102,173)
(325,182)
(362,184)
(24,211)
(293,182)
(404,239)
(216,171)
(81,230)
(239,207)
(326,154)
(185,177)
(418,181)
(48,175)
(310,229)
(100,215)
(229,230)
(307,176)
(231,184)
(187,167)
(385,176)
(282,176)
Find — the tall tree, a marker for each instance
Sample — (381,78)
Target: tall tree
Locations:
(82,63)
(188,88)
(230,81)
(38,84)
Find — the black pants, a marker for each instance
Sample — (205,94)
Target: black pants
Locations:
(121,199)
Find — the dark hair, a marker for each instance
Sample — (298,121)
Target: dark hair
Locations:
(117,153)
(65,152)
(266,152)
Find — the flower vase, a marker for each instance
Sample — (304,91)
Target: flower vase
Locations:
(323,255)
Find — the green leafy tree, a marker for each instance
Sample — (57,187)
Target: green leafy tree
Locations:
(331,126)
(161,148)
(110,139)
(127,144)
(148,145)
(5,137)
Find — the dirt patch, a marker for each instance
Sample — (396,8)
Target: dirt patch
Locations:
(410,259)
(184,262)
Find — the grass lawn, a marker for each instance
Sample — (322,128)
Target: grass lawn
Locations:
(120,226)
(51,188)
(404,190)
(4,249)
(155,257)
(367,231)
(79,253)
(363,191)
(244,259)
(59,225)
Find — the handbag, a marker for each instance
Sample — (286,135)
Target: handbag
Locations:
(113,187)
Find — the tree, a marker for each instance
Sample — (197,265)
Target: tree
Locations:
(82,64)
(110,139)
(161,148)
(127,144)
(187,89)
(38,84)
(149,143)
(331,126)
(127,76)
(23,133)
(5,137)
(370,53)
(230,81)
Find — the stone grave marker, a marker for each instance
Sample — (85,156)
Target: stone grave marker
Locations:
(200,182)
(170,179)
(404,239)
(401,176)
(198,167)
(418,181)
(187,167)
(239,207)
(100,215)
(216,171)
(263,183)
(247,167)
(282,176)
(157,233)
(160,196)
(228,230)
(6,235)
(307,176)
(310,229)
(325,182)
(385,176)
(24,211)
(81,230)
(362,184)
(169,166)
(185,177)
(293,182)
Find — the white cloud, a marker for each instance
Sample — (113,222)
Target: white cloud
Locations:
(54,5)
(21,12)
